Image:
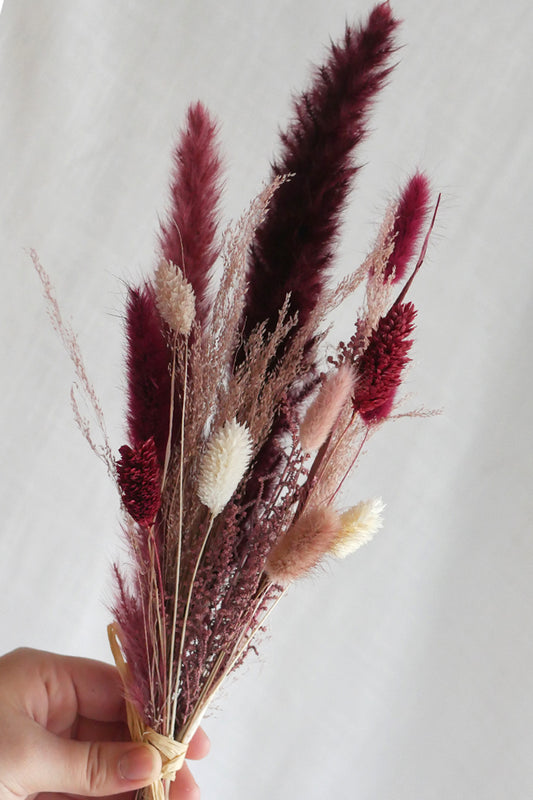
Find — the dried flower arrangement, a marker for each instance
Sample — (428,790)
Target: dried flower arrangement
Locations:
(238,443)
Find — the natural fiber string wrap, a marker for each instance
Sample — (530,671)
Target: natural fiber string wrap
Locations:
(172,752)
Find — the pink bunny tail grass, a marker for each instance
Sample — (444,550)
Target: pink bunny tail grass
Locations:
(303,545)
(148,378)
(294,246)
(324,411)
(139,481)
(188,235)
(411,216)
(382,363)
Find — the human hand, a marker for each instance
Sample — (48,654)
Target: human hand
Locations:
(63,731)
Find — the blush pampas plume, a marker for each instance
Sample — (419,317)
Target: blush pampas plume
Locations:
(326,407)
(238,446)
(303,546)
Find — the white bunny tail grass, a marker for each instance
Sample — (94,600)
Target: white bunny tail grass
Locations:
(224,463)
(358,526)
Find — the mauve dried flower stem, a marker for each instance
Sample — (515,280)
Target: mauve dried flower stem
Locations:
(172,697)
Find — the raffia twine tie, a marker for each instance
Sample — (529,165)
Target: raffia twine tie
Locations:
(171,751)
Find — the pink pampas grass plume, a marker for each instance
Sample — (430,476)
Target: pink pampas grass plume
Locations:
(324,411)
(303,545)
(411,216)
(224,463)
(189,235)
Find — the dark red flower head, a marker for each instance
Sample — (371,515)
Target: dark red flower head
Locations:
(139,481)
(381,365)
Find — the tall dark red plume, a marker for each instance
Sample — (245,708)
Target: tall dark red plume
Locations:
(294,246)
(189,234)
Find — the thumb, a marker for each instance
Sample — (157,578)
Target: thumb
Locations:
(96,768)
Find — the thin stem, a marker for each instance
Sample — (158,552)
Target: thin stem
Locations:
(337,490)
(171,413)
(178,553)
(185,617)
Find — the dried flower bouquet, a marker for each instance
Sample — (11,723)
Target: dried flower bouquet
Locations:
(240,434)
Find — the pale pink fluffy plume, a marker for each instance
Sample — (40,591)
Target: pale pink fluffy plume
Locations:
(325,409)
(303,545)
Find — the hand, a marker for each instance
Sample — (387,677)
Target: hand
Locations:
(63,730)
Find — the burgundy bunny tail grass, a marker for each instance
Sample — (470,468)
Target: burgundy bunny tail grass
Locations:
(411,217)
(382,363)
(148,377)
(294,246)
(188,236)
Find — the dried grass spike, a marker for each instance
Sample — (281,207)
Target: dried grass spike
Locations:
(358,526)
(224,463)
(381,365)
(174,297)
(139,481)
(303,545)
(324,411)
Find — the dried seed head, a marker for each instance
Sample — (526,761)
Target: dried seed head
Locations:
(382,363)
(224,463)
(139,481)
(174,297)
(358,526)
(303,545)
(324,411)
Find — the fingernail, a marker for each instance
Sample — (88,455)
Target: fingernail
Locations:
(139,764)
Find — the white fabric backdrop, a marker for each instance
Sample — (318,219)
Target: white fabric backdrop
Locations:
(404,672)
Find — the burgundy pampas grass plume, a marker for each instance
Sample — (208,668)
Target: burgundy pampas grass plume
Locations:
(139,481)
(174,298)
(223,465)
(188,235)
(294,246)
(303,545)
(381,365)
(358,526)
(324,411)
(410,218)
(148,378)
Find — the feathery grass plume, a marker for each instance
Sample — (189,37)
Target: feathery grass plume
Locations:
(188,236)
(303,545)
(381,365)
(411,216)
(139,481)
(174,297)
(294,246)
(147,362)
(324,411)
(358,526)
(223,465)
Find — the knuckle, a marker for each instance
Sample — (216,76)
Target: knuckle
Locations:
(96,770)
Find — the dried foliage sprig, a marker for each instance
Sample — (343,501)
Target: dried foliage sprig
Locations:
(239,448)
